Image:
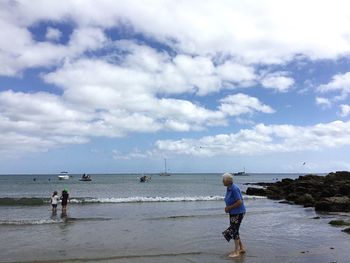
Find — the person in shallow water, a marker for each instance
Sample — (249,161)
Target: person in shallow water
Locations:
(64,199)
(54,201)
(236,209)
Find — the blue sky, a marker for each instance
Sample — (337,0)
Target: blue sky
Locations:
(212,86)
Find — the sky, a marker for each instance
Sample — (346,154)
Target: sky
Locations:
(210,86)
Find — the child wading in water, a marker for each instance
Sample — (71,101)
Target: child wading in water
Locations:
(54,201)
(64,198)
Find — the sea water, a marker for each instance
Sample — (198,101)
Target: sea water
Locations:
(177,218)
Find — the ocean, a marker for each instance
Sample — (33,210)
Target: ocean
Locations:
(177,218)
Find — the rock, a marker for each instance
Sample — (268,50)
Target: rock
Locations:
(308,177)
(287,181)
(306,199)
(339,175)
(333,204)
(292,197)
(339,223)
(256,191)
(326,193)
(346,230)
(344,189)
(274,193)
(286,202)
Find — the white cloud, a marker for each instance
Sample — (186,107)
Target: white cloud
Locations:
(340,84)
(324,102)
(237,74)
(238,104)
(213,45)
(263,139)
(53,34)
(18,50)
(249,32)
(344,110)
(97,101)
(277,81)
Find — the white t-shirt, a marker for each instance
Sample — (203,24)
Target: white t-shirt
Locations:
(54,199)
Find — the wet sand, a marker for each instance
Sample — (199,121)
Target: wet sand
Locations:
(174,232)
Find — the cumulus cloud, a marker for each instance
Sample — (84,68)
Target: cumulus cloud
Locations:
(53,34)
(238,104)
(262,139)
(19,51)
(344,110)
(278,81)
(104,108)
(115,87)
(324,102)
(251,32)
(340,85)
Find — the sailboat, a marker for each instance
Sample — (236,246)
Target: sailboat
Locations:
(165,173)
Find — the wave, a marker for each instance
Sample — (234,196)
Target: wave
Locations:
(28,222)
(27,201)
(6,201)
(140,199)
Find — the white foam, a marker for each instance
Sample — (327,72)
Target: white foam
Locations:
(29,222)
(250,197)
(140,199)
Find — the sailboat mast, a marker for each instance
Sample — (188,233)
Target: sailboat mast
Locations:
(165,165)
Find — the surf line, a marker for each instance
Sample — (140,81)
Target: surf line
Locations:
(83,259)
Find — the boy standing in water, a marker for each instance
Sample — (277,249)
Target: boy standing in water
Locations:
(64,199)
(54,201)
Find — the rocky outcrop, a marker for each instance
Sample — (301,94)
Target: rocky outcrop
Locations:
(325,193)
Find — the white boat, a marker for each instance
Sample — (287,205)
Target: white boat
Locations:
(63,176)
(241,173)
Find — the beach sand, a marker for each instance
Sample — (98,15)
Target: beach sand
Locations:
(172,232)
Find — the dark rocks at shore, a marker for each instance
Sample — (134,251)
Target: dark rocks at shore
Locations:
(256,191)
(326,193)
(346,230)
(339,223)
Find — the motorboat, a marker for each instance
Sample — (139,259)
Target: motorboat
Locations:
(63,176)
(242,173)
(145,178)
(85,178)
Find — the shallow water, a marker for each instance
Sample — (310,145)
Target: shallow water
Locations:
(163,230)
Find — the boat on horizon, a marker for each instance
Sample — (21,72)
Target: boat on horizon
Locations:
(85,178)
(63,176)
(242,173)
(165,173)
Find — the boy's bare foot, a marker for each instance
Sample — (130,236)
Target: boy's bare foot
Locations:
(234,254)
(242,250)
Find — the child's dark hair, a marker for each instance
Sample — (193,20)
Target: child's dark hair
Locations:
(54,193)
